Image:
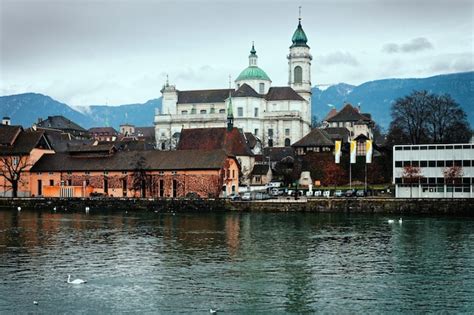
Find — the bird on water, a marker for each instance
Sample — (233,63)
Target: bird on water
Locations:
(390,221)
(75,281)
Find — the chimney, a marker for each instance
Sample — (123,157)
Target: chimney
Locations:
(6,121)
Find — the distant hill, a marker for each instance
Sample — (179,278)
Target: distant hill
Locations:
(376,97)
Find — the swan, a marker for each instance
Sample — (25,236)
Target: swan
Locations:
(400,221)
(212,311)
(54,209)
(76,281)
(35,302)
(390,221)
(87,209)
(18,208)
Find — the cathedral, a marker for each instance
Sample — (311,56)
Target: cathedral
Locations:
(277,115)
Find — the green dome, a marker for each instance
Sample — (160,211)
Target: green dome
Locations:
(299,37)
(253,73)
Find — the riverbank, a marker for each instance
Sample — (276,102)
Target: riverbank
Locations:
(353,205)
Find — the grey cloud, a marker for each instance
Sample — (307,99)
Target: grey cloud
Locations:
(414,45)
(339,57)
(452,63)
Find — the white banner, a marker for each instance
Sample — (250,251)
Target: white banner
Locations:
(353,151)
(369,151)
(337,151)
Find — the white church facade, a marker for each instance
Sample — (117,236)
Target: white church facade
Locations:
(278,116)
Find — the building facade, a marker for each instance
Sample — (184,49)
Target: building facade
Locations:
(434,171)
(278,116)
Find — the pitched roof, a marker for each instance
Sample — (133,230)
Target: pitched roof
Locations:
(246,90)
(59,122)
(251,139)
(8,134)
(203,96)
(277,154)
(331,114)
(348,113)
(103,130)
(148,132)
(260,169)
(25,142)
(127,160)
(232,142)
(61,141)
(279,93)
(316,138)
(338,133)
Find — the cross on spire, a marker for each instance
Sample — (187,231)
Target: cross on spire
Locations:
(299,8)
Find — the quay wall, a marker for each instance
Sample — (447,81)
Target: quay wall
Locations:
(353,205)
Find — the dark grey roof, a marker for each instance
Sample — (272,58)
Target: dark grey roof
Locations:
(103,130)
(338,133)
(8,134)
(245,90)
(277,154)
(127,160)
(260,169)
(348,113)
(25,142)
(251,139)
(279,93)
(316,138)
(203,96)
(59,122)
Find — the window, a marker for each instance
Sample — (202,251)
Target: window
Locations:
(255,112)
(221,111)
(193,110)
(106,172)
(398,164)
(51,182)
(69,172)
(124,172)
(449,163)
(69,182)
(423,163)
(287,132)
(203,111)
(87,182)
(261,88)
(415,164)
(184,112)
(466,163)
(212,111)
(240,111)
(270,133)
(287,142)
(270,143)
(457,163)
(298,73)
(233,173)
(440,163)
(16,160)
(431,163)
(255,132)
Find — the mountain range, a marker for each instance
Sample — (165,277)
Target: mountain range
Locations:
(374,97)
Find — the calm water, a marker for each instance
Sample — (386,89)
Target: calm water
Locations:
(235,262)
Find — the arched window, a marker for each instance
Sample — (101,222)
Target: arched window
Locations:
(270,142)
(298,73)
(287,142)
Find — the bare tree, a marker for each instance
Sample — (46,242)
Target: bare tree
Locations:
(140,180)
(11,169)
(411,175)
(452,175)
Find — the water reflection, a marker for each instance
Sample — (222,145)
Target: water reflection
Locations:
(237,262)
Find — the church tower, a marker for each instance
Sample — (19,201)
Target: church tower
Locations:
(299,62)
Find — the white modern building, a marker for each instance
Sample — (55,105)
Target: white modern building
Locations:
(278,116)
(433,161)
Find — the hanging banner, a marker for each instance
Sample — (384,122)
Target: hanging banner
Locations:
(368,151)
(337,151)
(353,151)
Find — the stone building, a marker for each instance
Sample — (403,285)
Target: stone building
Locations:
(278,116)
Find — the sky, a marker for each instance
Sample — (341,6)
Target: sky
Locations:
(86,52)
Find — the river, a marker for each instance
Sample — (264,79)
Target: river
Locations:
(237,263)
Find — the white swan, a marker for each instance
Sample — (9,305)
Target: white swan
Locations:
(400,221)
(76,281)
(87,209)
(212,311)
(18,208)
(391,221)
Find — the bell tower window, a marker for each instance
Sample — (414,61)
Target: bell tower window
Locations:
(261,88)
(298,73)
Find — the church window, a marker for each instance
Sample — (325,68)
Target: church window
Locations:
(193,110)
(287,142)
(221,111)
(270,142)
(261,88)
(255,112)
(184,112)
(255,132)
(287,132)
(298,73)
(240,111)
(203,111)
(270,133)
(213,110)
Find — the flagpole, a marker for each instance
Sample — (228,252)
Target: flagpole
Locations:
(365,177)
(350,175)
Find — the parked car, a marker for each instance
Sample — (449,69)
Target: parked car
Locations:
(350,193)
(309,193)
(290,192)
(275,192)
(338,193)
(247,196)
(327,193)
(318,193)
(361,193)
(235,197)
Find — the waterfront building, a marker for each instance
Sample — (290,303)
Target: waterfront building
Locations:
(19,150)
(261,175)
(278,116)
(102,170)
(318,140)
(422,171)
(349,117)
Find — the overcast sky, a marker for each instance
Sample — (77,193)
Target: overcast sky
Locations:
(91,52)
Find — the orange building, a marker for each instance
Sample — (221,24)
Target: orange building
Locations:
(19,151)
(101,170)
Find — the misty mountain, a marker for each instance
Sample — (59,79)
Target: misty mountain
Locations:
(376,97)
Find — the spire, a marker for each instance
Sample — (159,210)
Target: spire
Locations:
(253,56)
(299,37)
(230,112)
